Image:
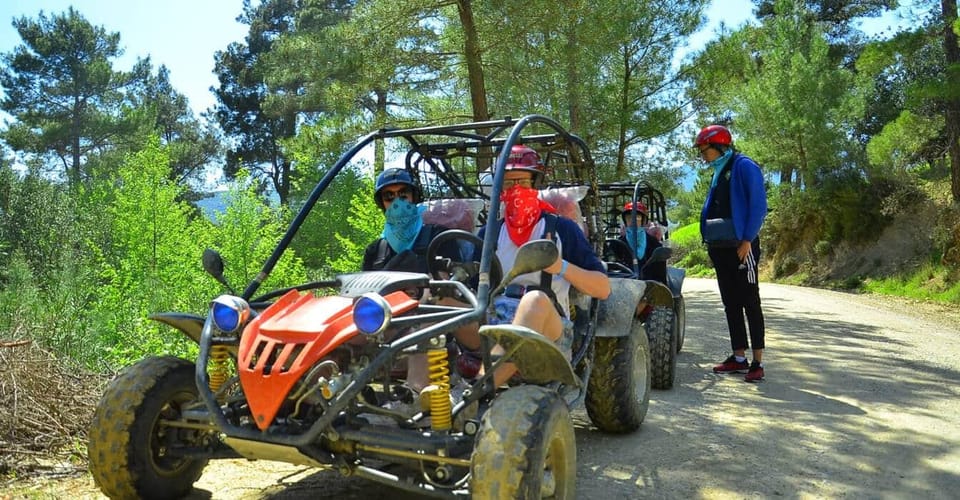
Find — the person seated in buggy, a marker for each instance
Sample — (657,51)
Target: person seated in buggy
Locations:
(539,300)
(406,237)
(403,246)
(645,244)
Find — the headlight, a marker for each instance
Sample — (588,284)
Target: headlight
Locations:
(371,313)
(230,313)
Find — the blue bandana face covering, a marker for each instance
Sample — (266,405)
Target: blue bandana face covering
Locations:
(641,239)
(404,222)
(718,166)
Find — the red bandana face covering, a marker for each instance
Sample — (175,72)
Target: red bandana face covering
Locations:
(521,212)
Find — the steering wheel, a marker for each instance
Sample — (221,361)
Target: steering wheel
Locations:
(466,270)
(615,248)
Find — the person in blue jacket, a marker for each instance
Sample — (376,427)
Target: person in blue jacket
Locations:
(730,226)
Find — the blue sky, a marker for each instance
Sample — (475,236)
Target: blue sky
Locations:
(185,34)
(181,34)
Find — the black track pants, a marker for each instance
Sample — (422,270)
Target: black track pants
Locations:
(740,294)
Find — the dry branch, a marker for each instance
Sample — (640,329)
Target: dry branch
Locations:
(46,409)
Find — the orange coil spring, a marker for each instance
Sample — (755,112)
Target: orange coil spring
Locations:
(440,406)
(218,366)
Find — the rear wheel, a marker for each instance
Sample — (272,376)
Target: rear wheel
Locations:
(129,442)
(618,392)
(680,312)
(526,447)
(661,333)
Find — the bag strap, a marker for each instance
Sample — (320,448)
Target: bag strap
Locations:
(383,249)
(546,279)
(549,233)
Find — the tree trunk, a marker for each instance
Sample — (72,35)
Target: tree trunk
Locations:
(573,81)
(379,153)
(74,174)
(952,118)
(474,58)
(472,53)
(620,171)
(786,174)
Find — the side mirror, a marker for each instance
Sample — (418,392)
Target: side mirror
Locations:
(531,256)
(660,254)
(213,265)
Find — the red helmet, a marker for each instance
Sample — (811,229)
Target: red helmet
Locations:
(641,208)
(525,158)
(714,134)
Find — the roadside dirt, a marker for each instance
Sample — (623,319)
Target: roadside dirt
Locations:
(861,400)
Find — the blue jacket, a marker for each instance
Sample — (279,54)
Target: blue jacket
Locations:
(748,198)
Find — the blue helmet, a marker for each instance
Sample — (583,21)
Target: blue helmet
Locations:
(393,176)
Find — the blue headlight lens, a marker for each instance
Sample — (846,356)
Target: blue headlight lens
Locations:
(229,313)
(225,317)
(371,313)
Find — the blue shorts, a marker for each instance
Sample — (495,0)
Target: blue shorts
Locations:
(505,308)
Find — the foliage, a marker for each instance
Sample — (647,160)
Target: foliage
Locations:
(689,252)
(604,68)
(151,264)
(44,277)
(61,88)
(895,149)
(846,208)
(365,226)
(930,282)
(192,144)
(793,106)
(256,132)
(247,233)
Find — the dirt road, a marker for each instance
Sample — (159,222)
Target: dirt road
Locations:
(861,400)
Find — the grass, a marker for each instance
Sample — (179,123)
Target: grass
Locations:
(930,282)
(689,252)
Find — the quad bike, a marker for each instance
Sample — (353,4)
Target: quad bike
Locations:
(307,374)
(664,319)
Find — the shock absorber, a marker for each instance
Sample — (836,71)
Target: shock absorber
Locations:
(439,368)
(218,367)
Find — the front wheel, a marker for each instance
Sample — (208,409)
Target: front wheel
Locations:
(525,448)
(618,392)
(129,442)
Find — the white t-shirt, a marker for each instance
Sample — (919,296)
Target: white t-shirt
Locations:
(507,253)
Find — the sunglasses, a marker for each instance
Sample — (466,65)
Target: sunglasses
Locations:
(404,193)
(509,183)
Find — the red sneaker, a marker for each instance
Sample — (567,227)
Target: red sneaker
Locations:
(755,373)
(731,365)
(469,364)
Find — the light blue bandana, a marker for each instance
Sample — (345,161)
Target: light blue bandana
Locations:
(718,166)
(641,239)
(404,222)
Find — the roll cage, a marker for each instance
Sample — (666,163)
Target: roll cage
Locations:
(460,161)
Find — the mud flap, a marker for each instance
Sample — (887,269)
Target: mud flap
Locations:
(539,360)
(189,324)
(617,312)
(675,276)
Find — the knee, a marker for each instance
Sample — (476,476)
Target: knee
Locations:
(536,301)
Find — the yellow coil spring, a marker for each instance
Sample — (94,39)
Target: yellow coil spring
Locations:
(440,407)
(218,366)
